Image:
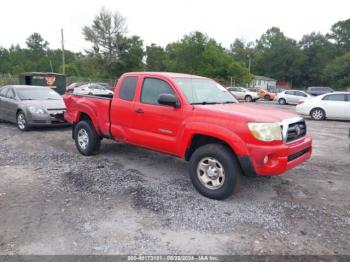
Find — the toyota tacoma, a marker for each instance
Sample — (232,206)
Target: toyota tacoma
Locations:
(196,119)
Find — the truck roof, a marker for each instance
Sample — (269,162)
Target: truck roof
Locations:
(166,74)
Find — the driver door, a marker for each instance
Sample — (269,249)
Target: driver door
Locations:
(240,93)
(9,106)
(156,126)
(3,92)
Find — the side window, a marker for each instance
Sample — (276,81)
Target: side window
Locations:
(10,94)
(152,88)
(128,87)
(348,97)
(298,93)
(3,91)
(290,93)
(335,97)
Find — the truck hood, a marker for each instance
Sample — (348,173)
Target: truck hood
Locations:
(45,104)
(252,112)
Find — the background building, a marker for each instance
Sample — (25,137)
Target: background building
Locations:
(263,82)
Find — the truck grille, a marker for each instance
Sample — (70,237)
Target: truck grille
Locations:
(295,131)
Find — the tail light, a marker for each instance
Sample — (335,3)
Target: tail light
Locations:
(300,102)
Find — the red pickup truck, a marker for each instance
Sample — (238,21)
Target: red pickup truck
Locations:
(196,119)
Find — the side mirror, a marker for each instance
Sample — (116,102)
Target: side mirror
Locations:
(168,100)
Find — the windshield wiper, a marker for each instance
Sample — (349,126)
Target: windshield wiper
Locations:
(27,99)
(204,103)
(229,102)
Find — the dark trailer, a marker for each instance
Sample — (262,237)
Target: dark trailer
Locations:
(55,81)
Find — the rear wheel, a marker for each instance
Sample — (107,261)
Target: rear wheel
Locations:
(86,139)
(214,171)
(267,98)
(282,101)
(22,123)
(248,98)
(317,114)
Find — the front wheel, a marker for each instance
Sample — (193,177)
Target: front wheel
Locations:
(86,139)
(22,122)
(317,114)
(214,171)
(248,99)
(282,101)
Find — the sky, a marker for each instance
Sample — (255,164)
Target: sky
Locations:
(165,21)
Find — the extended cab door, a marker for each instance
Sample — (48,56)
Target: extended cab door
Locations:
(156,126)
(122,108)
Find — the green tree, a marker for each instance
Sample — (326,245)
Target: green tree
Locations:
(338,72)
(340,33)
(243,52)
(156,58)
(106,35)
(278,56)
(196,53)
(36,44)
(318,52)
(133,54)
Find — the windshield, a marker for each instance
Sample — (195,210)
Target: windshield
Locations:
(204,91)
(37,94)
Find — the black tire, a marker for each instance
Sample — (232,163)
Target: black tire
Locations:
(90,94)
(267,98)
(318,114)
(282,101)
(230,165)
(23,125)
(248,98)
(93,143)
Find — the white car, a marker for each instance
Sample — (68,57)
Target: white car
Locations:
(242,93)
(331,105)
(92,89)
(291,97)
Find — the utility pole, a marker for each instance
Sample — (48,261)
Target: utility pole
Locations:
(51,66)
(63,59)
(249,62)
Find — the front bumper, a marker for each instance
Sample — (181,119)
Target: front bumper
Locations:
(280,157)
(45,119)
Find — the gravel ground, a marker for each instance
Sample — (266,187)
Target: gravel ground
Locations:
(129,200)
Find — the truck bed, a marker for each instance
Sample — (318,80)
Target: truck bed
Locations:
(79,106)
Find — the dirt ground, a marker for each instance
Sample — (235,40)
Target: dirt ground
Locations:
(128,200)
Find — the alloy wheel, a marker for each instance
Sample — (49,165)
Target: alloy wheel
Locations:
(211,173)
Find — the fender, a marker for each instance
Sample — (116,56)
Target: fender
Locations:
(215,131)
(85,108)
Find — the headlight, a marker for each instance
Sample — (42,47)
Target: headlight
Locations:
(36,110)
(266,131)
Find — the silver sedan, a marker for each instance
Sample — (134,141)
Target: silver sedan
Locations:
(291,97)
(29,106)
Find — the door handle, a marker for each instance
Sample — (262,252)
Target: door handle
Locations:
(139,111)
